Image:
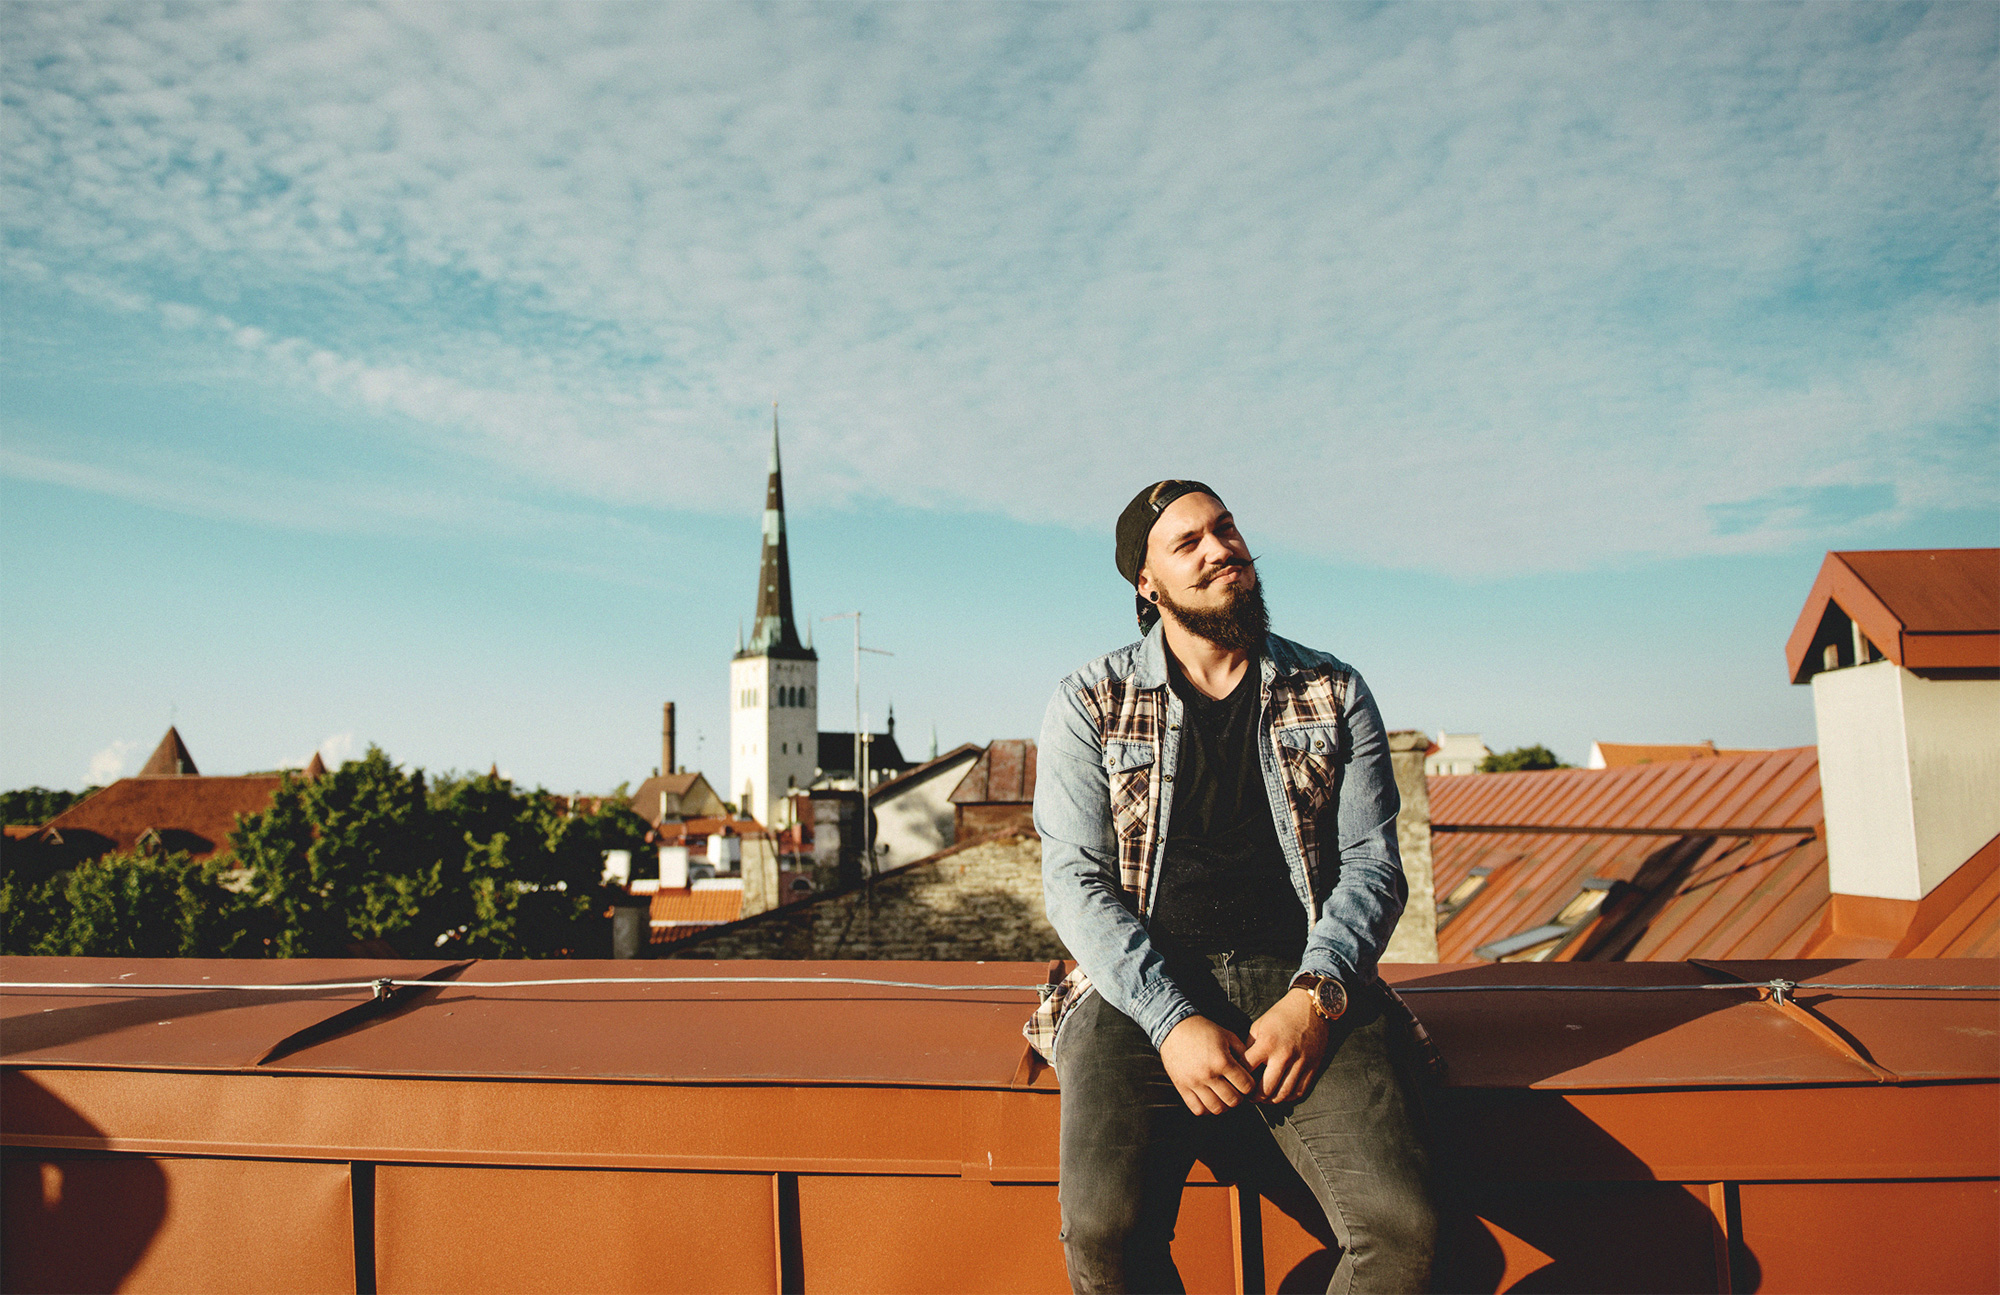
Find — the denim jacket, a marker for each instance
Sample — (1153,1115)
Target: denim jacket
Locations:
(1104,801)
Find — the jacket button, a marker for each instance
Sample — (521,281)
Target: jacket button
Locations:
(1319,744)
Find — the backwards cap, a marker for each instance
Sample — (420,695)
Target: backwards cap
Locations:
(1135,527)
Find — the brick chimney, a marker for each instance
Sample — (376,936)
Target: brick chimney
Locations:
(667,740)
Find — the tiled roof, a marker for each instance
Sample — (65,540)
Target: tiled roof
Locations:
(683,904)
(679,788)
(189,813)
(170,759)
(683,911)
(1921,608)
(1003,775)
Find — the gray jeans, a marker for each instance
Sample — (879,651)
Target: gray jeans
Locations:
(1128,1142)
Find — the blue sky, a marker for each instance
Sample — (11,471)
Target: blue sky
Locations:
(403,374)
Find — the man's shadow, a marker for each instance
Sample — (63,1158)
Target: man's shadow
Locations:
(1611,1227)
(74,1220)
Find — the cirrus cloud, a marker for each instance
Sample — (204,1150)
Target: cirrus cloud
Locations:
(1568,284)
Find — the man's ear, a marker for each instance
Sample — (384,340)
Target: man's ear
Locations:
(1146,588)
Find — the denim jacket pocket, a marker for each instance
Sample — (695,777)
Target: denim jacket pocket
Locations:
(1309,759)
(1130,769)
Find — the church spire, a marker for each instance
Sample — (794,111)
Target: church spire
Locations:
(774,633)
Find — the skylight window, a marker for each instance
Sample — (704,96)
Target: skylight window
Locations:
(1540,943)
(1462,894)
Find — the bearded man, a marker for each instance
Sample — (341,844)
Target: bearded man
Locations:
(1218,823)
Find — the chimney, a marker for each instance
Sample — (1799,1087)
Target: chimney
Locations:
(1415,936)
(667,740)
(1902,650)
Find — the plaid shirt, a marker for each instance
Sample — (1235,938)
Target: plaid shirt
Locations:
(1103,801)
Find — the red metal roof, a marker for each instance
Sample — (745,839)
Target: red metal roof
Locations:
(1694,845)
(189,813)
(1722,857)
(1921,608)
(810,1022)
(1003,774)
(1620,1132)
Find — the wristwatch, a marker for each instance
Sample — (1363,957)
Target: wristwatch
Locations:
(1329,996)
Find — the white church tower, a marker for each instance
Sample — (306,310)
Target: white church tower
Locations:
(774,683)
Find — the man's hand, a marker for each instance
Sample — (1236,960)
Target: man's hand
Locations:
(1206,1064)
(1287,1043)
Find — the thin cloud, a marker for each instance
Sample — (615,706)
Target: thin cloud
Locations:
(1573,284)
(108,764)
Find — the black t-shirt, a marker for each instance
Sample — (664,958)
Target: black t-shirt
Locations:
(1224,884)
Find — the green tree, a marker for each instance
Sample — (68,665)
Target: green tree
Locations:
(34,806)
(350,855)
(129,906)
(466,867)
(1522,758)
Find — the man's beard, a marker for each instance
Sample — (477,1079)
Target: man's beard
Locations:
(1239,625)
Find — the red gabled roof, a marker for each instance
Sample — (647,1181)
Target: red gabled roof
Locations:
(191,813)
(1004,774)
(1921,608)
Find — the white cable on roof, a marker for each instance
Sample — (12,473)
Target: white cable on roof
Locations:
(394,983)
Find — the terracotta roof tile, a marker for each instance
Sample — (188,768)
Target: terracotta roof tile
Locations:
(189,813)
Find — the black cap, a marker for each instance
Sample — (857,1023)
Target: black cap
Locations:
(1135,527)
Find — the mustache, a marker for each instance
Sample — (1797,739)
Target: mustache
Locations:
(1227,564)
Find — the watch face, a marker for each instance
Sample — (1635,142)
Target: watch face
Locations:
(1332,996)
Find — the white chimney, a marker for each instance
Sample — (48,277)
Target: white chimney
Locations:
(1902,648)
(1909,774)
(673,867)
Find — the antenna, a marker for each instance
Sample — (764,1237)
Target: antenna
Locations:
(859,782)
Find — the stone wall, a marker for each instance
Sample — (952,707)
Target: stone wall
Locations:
(978,901)
(1416,936)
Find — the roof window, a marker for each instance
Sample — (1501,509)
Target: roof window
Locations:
(1540,943)
(1462,894)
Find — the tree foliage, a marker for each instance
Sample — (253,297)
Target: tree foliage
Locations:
(127,906)
(34,806)
(1522,758)
(365,855)
(467,866)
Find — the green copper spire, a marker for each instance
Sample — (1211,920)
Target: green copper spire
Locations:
(774,633)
